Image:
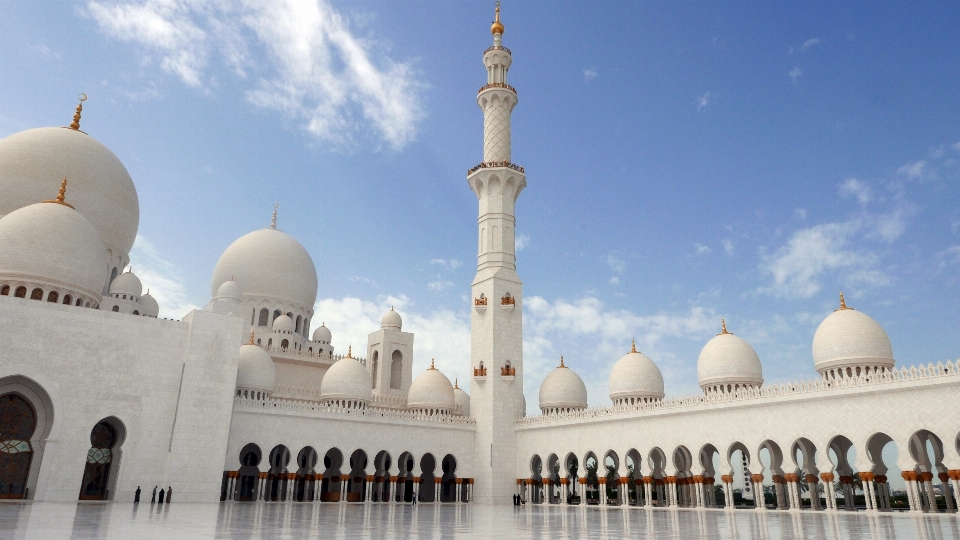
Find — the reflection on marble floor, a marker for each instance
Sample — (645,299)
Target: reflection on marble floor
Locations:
(51,521)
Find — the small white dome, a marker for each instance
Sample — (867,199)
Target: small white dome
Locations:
(322,334)
(728,360)
(461,399)
(150,306)
(635,376)
(431,390)
(269,265)
(127,283)
(283,323)
(255,369)
(391,320)
(562,388)
(346,380)
(850,338)
(230,291)
(33,162)
(53,246)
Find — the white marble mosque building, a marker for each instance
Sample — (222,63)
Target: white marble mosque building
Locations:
(239,401)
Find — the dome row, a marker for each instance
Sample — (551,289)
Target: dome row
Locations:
(847,343)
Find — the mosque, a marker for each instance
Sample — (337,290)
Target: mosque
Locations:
(239,401)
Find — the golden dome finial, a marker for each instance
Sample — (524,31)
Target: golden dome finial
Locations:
(723,327)
(75,125)
(251,332)
(350,351)
(431,365)
(273,221)
(633,345)
(61,196)
(843,302)
(497,26)
(456,381)
(561,361)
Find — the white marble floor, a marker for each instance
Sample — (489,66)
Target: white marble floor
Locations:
(51,521)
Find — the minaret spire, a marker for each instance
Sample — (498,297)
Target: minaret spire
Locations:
(273,221)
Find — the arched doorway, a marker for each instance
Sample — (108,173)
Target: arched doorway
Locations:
(381,465)
(428,489)
(306,482)
(634,477)
(103,460)
(448,485)
(277,477)
(357,488)
(330,485)
(611,475)
(573,479)
(18,422)
(553,495)
(536,480)
(592,488)
(405,477)
(249,473)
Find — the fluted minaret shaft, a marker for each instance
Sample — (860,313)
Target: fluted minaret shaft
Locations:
(497,99)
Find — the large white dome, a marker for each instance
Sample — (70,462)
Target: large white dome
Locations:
(34,162)
(269,265)
(848,338)
(346,380)
(54,247)
(728,360)
(391,320)
(635,377)
(431,391)
(255,369)
(562,389)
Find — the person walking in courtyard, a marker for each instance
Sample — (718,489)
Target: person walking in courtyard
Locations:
(169,494)
(161,497)
(136,496)
(153,499)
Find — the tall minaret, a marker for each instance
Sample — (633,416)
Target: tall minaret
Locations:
(496,350)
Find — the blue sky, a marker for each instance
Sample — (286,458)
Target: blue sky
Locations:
(685,161)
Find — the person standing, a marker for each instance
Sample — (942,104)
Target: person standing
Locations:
(161,497)
(136,496)
(153,499)
(169,494)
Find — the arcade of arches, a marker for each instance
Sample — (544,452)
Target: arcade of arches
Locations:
(339,477)
(770,479)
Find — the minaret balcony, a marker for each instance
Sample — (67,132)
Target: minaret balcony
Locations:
(480,373)
(480,304)
(508,302)
(497,48)
(508,373)
(494,164)
(501,85)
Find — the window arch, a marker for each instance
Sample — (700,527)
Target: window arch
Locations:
(135,312)
(116,309)
(276,313)
(79,302)
(373,370)
(299,324)
(5,290)
(264,317)
(53,296)
(105,440)
(396,370)
(67,300)
(36,294)
(21,292)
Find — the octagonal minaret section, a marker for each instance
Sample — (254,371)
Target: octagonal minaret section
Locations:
(496,355)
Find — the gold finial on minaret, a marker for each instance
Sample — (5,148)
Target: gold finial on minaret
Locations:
(497,26)
(723,327)
(350,351)
(432,366)
(251,332)
(273,222)
(561,361)
(62,195)
(633,345)
(75,125)
(455,383)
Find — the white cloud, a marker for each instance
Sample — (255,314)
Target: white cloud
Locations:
(703,100)
(914,171)
(949,256)
(800,213)
(439,286)
(701,249)
(589,74)
(615,280)
(451,264)
(858,189)
(728,246)
(314,68)
(812,42)
(616,262)
(795,73)
(522,241)
(161,278)
(956,146)
(798,267)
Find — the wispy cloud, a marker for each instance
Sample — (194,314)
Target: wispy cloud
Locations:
(162,278)
(451,264)
(856,188)
(439,286)
(795,74)
(589,74)
(522,241)
(617,266)
(728,246)
(808,44)
(914,171)
(314,68)
(703,100)
(956,146)
(701,249)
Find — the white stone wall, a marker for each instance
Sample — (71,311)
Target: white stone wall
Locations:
(268,428)
(95,364)
(897,408)
(384,342)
